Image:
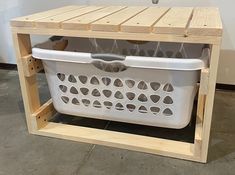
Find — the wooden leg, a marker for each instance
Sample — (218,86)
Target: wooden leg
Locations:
(29,86)
(209,101)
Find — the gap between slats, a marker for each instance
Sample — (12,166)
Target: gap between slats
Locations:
(175,21)
(28,21)
(112,22)
(55,21)
(84,22)
(144,21)
(200,21)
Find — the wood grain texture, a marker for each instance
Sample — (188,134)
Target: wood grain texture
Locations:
(205,21)
(204,81)
(196,151)
(29,85)
(28,21)
(201,21)
(120,35)
(113,21)
(118,139)
(143,22)
(83,22)
(31,65)
(44,114)
(55,21)
(174,21)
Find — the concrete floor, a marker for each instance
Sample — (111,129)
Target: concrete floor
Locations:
(24,154)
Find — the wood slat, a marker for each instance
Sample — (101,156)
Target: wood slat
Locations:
(118,139)
(55,21)
(143,22)
(28,21)
(113,22)
(205,21)
(202,21)
(174,21)
(83,22)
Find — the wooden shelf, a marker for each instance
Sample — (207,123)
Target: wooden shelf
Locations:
(175,24)
(161,20)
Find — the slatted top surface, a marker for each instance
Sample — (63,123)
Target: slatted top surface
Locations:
(197,21)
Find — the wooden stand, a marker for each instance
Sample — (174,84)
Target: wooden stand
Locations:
(188,25)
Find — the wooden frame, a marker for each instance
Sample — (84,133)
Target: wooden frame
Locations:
(189,30)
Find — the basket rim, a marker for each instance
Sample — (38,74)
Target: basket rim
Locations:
(130,61)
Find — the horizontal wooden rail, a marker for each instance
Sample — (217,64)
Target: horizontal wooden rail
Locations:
(165,24)
(44,113)
(118,139)
(120,35)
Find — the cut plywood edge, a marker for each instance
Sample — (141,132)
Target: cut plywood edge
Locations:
(83,22)
(205,21)
(118,139)
(28,21)
(55,21)
(215,50)
(113,21)
(174,21)
(143,22)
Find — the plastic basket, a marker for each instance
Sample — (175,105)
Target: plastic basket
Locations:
(122,81)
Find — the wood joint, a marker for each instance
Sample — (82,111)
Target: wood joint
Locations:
(44,114)
(197,148)
(31,65)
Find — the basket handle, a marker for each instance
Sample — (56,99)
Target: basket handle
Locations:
(108,62)
(108,57)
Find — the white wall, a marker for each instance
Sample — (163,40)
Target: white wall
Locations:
(13,8)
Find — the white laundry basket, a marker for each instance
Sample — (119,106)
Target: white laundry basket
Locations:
(118,84)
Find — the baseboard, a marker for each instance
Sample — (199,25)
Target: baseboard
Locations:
(8,66)
(225,87)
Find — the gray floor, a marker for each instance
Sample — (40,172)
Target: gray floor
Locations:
(24,154)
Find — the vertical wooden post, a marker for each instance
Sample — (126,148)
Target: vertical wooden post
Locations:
(29,86)
(215,49)
(203,90)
